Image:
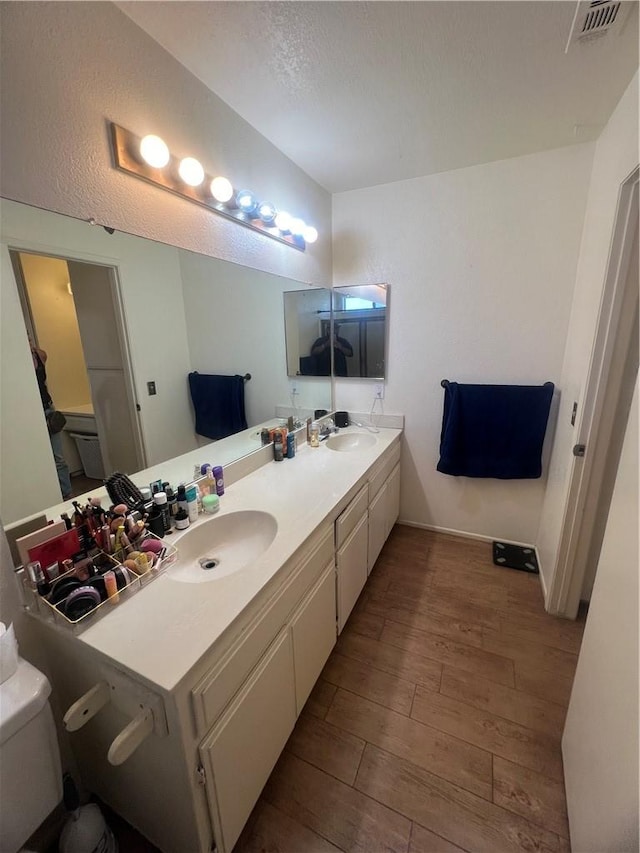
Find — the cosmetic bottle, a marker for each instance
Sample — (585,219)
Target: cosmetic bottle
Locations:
(314,435)
(181,499)
(111,585)
(192,502)
(208,485)
(277,448)
(218,475)
(291,445)
(181,520)
(160,501)
(171,502)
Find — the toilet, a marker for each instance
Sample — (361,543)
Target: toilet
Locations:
(30,773)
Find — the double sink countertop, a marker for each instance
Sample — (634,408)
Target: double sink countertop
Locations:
(162,631)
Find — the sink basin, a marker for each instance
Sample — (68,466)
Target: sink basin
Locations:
(349,441)
(222,545)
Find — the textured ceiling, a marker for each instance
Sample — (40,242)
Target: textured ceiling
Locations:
(364,93)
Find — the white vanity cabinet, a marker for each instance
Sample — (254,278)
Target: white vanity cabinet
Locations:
(313,630)
(384,504)
(226,690)
(251,697)
(363,528)
(351,553)
(243,747)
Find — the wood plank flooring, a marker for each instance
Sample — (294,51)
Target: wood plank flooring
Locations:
(435,726)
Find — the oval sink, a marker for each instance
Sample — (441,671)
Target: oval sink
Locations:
(348,441)
(222,545)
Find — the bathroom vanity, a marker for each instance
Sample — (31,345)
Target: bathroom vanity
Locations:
(215,666)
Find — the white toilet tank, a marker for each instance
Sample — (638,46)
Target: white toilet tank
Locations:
(30,774)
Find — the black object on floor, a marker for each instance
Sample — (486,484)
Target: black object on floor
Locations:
(515,557)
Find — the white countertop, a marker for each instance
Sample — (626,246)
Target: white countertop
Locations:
(163,630)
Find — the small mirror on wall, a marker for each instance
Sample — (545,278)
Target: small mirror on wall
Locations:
(307,319)
(360,316)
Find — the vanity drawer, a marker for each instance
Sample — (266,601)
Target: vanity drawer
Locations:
(348,519)
(214,691)
(382,471)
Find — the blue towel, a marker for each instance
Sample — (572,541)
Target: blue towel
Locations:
(494,430)
(218,402)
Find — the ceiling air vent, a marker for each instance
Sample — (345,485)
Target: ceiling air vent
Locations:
(594,18)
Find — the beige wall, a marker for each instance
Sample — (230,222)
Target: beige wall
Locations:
(54,315)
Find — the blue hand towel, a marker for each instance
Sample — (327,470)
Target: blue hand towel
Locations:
(218,402)
(494,430)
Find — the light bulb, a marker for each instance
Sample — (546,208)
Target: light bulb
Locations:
(267,212)
(154,151)
(283,220)
(246,201)
(221,189)
(310,234)
(297,227)
(191,171)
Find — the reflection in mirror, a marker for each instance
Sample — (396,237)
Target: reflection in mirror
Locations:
(307,320)
(360,317)
(170,311)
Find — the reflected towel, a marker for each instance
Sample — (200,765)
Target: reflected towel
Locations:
(494,430)
(218,402)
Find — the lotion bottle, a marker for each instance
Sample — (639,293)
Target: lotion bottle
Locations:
(192,502)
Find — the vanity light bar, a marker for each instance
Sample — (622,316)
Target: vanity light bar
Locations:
(149,158)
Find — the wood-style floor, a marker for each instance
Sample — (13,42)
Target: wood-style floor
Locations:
(435,726)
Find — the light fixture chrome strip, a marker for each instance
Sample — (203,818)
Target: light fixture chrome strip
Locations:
(127,158)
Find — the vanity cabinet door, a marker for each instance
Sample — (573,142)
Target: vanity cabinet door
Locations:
(378,525)
(351,561)
(393,498)
(244,745)
(313,628)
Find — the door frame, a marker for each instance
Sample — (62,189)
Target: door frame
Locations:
(32,248)
(563,597)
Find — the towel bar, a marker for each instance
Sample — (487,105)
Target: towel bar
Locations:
(445,383)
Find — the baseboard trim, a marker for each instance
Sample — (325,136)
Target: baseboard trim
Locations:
(465,534)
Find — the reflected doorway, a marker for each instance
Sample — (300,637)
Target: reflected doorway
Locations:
(71,311)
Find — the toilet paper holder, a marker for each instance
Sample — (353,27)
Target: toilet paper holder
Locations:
(145,708)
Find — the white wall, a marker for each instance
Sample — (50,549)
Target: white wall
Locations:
(481,263)
(616,155)
(151,286)
(600,741)
(67,69)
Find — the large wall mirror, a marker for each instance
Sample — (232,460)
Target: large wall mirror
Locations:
(124,320)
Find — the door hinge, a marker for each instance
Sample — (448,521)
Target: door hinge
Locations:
(138,407)
(579,449)
(201,774)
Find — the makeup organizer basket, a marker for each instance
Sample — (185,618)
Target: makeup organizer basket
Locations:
(37,603)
